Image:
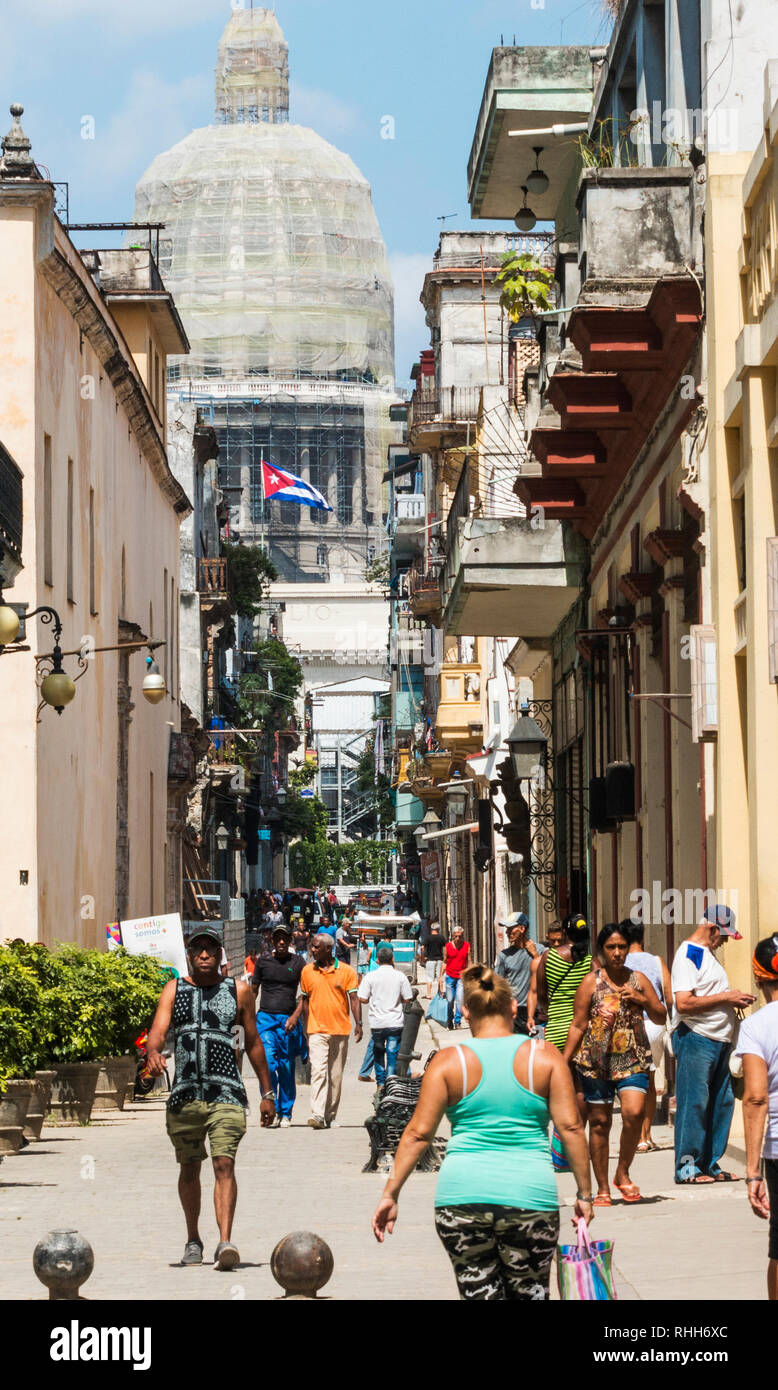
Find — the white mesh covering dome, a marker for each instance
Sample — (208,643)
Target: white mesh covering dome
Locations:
(271,248)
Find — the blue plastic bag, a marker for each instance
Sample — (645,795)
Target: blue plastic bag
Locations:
(438,1009)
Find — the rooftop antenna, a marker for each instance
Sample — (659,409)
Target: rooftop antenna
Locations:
(447,216)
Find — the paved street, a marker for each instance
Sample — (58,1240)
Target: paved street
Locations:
(115,1182)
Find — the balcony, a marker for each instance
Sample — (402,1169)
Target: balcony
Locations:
(630,336)
(511,576)
(10,518)
(527,89)
(213,585)
(424,593)
(130,276)
(410,517)
(459,721)
(442,416)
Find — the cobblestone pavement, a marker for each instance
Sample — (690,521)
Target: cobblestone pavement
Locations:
(115,1182)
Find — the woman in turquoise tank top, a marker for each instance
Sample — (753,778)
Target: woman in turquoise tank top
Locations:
(496,1202)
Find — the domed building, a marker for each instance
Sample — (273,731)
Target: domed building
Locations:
(273,253)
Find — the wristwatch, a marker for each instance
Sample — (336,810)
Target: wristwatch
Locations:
(268,1095)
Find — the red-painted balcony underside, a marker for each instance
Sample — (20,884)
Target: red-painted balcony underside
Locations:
(632,360)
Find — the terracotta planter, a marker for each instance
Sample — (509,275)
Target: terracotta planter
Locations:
(10,1139)
(112,1083)
(39,1105)
(15,1102)
(73,1092)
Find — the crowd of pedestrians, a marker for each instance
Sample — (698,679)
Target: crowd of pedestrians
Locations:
(560,1033)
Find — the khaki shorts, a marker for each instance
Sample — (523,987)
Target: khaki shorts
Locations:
(225,1126)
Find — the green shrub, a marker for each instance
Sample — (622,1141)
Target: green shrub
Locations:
(72,1004)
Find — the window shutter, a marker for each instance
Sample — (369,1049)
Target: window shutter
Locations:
(705,690)
(772,606)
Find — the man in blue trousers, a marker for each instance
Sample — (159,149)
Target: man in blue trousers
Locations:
(278,1019)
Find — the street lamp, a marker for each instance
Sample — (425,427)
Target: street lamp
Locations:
(154,688)
(527,745)
(537,181)
(9,623)
(525,218)
(428,826)
(456,796)
(222,838)
(281,796)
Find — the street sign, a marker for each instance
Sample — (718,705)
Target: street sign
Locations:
(430,866)
(263,833)
(307,793)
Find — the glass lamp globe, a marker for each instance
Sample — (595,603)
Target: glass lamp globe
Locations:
(9,625)
(57,689)
(525,219)
(154,688)
(537,181)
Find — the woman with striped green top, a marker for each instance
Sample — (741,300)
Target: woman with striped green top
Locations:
(560,972)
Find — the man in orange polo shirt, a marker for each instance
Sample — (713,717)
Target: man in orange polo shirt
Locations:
(329,989)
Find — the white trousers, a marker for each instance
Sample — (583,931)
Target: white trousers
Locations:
(328,1058)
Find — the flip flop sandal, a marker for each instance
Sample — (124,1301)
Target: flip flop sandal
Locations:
(644,1148)
(724,1177)
(603,1199)
(629,1192)
(695,1181)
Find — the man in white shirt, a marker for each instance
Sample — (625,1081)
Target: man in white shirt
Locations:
(703,1029)
(384,991)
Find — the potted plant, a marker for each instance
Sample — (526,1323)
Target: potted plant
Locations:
(525,285)
(20,1001)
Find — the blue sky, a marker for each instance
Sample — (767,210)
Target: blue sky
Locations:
(143,69)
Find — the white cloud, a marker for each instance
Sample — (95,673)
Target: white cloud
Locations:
(411,332)
(324,112)
(153,116)
(126,17)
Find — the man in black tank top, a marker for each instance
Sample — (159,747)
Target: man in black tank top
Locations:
(209,1016)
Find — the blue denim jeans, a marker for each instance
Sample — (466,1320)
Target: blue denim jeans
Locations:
(367,1066)
(386,1045)
(281,1050)
(455,994)
(704,1103)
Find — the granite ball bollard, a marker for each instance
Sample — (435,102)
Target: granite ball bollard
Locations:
(302,1263)
(63,1261)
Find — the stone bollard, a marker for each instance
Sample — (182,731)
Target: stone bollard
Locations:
(63,1261)
(302,1263)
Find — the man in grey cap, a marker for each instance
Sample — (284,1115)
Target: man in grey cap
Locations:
(703,1028)
(514,963)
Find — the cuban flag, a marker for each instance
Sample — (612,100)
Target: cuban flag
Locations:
(287,488)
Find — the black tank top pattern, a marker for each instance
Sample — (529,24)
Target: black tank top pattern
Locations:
(203,1023)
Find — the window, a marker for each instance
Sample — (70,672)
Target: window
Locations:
(92,601)
(772,607)
(48,557)
(739,516)
(166,632)
(70,534)
(704,680)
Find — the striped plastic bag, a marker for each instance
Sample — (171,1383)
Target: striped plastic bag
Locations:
(583,1270)
(558,1155)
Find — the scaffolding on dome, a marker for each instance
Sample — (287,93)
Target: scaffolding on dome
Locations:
(252,71)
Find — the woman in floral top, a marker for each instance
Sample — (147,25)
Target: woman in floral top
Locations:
(608,1049)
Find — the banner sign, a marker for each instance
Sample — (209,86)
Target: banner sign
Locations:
(430,866)
(159,937)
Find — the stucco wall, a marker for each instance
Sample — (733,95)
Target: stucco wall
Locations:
(59,781)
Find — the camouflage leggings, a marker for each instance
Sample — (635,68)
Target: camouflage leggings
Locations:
(499,1253)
